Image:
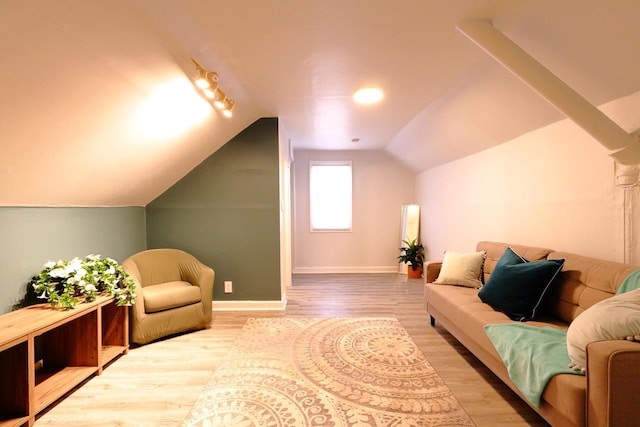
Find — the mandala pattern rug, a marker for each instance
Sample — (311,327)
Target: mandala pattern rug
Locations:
(299,372)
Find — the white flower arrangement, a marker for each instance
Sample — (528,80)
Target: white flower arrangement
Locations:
(67,283)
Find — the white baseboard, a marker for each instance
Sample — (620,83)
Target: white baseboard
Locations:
(344,270)
(249,305)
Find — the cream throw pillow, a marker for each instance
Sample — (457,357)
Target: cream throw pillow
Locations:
(614,318)
(461,269)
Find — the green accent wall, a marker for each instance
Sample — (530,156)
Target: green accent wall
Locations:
(226,213)
(31,236)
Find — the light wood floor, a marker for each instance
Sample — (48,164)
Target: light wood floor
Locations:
(156,384)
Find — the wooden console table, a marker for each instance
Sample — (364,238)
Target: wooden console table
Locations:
(47,352)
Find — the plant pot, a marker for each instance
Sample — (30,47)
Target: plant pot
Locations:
(414,273)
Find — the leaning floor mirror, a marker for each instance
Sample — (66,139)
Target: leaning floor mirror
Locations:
(410,227)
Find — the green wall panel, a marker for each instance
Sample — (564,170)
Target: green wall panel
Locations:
(31,236)
(226,213)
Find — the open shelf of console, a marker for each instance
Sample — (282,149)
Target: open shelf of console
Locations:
(45,353)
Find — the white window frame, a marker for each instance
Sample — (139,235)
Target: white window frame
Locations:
(314,197)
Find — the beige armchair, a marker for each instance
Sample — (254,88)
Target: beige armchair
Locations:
(174,294)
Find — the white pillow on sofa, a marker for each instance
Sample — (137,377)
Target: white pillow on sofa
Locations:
(614,318)
(461,269)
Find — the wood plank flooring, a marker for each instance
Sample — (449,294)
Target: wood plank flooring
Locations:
(156,384)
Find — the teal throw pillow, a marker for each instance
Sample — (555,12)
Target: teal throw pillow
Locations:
(517,286)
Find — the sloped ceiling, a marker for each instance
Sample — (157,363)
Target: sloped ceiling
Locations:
(96,96)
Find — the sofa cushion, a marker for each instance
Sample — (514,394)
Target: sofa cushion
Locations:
(517,286)
(462,269)
(462,307)
(583,282)
(165,296)
(495,250)
(614,318)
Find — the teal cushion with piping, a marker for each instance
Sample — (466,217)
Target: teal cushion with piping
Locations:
(517,286)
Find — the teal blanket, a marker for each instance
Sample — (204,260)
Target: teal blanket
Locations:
(532,355)
(630,283)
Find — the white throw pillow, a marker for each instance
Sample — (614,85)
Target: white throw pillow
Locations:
(461,269)
(614,318)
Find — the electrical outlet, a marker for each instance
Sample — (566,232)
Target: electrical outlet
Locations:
(228,286)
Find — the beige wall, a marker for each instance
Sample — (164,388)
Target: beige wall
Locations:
(381,185)
(554,187)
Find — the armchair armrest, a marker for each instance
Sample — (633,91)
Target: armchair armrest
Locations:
(432,271)
(613,375)
(201,275)
(138,306)
(205,279)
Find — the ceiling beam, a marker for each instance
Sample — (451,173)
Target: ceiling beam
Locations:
(622,146)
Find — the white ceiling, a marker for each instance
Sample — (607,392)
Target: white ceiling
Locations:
(75,75)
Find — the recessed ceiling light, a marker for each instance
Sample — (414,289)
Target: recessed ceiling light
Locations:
(368,95)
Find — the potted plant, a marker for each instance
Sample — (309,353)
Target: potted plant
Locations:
(67,283)
(413,254)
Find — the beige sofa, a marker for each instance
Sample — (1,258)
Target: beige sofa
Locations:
(174,294)
(609,395)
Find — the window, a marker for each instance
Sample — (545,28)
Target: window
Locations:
(330,196)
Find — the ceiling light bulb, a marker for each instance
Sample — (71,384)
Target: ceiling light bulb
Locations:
(220,100)
(228,109)
(369,95)
(209,93)
(202,83)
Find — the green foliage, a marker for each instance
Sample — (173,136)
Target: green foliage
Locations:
(412,253)
(67,283)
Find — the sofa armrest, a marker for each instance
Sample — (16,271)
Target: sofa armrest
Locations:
(613,375)
(432,271)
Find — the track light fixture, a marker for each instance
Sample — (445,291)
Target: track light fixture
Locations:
(207,84)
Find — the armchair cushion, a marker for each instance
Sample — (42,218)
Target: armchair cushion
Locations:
(170,295)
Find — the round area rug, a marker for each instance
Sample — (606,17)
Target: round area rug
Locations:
(338,372)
